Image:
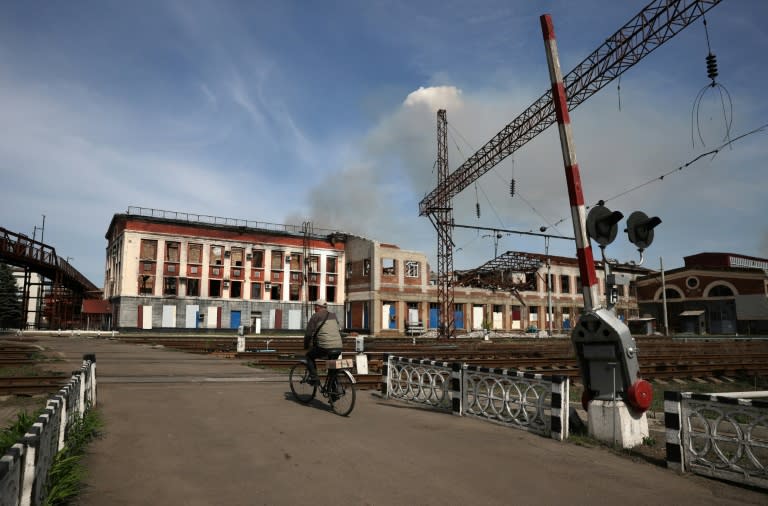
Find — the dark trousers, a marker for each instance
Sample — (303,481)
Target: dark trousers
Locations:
(318,352)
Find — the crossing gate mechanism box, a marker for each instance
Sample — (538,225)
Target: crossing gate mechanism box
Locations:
(342,363)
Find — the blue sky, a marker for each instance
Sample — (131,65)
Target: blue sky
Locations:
(288,111)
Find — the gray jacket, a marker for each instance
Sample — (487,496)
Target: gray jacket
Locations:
(329,335)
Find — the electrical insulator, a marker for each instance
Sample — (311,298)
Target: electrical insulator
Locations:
(512,188)
(477,209)
(711,66)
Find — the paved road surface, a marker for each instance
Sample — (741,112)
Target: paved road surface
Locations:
(184,429)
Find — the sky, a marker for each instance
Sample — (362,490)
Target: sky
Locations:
(291,111)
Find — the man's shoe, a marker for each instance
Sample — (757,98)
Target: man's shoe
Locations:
(313,381)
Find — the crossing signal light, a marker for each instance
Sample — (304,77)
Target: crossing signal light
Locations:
(640,229)
(602,224)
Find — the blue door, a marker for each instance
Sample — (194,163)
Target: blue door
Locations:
(392,320)
(434,317)
(365,315)
(234,319)
(458,319)
(197,319)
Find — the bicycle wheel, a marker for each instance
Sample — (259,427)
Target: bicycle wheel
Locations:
(302,388)
(342,394)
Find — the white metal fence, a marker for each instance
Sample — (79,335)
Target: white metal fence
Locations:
(527,401)
(718,435)
(24,468)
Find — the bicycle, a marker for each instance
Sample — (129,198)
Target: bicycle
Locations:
(338,387)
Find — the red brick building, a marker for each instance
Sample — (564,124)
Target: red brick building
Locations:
(714,293)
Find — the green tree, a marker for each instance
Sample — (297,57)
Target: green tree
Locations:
(10,299)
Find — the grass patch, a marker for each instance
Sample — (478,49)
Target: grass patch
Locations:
(65,478)
(10,435)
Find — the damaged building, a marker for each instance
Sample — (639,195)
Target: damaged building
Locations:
(171,270)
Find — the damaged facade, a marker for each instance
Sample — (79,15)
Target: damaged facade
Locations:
(169,270)
(390,291)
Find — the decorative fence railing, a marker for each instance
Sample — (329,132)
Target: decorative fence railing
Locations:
(25,466)
(527,401)
(717,435)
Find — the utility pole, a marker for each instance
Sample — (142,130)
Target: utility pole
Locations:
(664,296)
(549,286)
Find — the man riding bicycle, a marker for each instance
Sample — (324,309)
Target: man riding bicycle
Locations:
(322,337)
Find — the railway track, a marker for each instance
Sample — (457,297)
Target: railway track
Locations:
(32,385)
(661,359)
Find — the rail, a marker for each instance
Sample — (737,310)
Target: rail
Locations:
(230,222)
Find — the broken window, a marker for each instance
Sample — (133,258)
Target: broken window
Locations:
(217,255)
(193,287)
(314,292)
(170,286)
(172,251)
(330,264)
(237,257)
(195,254)
(214,288)
(294,292)
(148,249)
(256,291)
(366,267)
(388,266)
(411,269)
(236,290)
(274,292)
(146,284)
(314,264)
(295,261)
(330,293)
(565,284)
(277,260)
(258,259)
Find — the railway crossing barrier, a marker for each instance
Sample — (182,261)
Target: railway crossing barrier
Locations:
(527,401)
(722,436)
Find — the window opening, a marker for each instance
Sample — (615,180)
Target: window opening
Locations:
(237,257)
(236,289)
(258,259)
(217,255)
(277,260)
(195,254)
(411,269)
(193,287)
(169,286)
(214,288)
(172,251)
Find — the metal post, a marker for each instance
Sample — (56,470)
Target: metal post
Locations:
(664,296)
(612,365)
(549,287)
(572,176)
